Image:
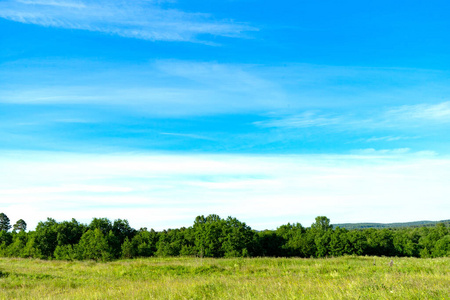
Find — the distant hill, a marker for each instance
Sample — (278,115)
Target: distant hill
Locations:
(389,225)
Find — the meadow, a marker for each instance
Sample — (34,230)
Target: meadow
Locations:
(347,277)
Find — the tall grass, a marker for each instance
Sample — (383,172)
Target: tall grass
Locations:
(255,278)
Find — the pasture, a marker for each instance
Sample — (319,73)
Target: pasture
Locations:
(348,277)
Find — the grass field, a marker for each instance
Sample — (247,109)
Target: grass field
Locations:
(256,278)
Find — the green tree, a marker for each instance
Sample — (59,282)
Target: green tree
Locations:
(442,247)
(65,252)
(6,238)
(322,224)
(321,229)
(128,249)
(237,238)
(380,242)
(46,235)
(357,242)
(20,225)
(94,245)
(404,243)
(120,231)
(69,233)
(172,241)
(322,241)
(338,242)
(109,230)
(433,241)
(269,243)
(19,241)
(4,222)
(295,240)
(31,249)
(123,230)
(208,235)
(145,242)
(103,224)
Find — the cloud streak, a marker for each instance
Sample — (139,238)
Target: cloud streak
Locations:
(395,117)
(303,120)
(219,106)
(439,112)
(297,96)
(164,87)
(146,20)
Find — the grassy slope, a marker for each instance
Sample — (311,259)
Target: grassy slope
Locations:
(257,278)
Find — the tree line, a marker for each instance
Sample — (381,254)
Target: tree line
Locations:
(212,236)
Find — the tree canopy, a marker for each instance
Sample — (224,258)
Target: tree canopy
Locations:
(4,222)
(213,236)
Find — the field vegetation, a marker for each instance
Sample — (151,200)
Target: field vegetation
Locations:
(346,277)
(219,258)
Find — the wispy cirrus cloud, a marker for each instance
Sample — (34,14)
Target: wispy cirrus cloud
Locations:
(298,96)
(147,20)
(71,4)
(187,135)
(163,87)
(302,120)
(388,138)
(439,112)
(272,112)
(394,117)
(371,151)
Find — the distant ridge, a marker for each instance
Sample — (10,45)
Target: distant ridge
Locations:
(389,225)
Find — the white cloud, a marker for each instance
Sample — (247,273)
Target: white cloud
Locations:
(135,19)
(168,88)
(298,97)
(70,4)
(67,189)
(187,135)
(428,112)
(303,120)
(398,117)
(161,190)
(388,138)
(372,151)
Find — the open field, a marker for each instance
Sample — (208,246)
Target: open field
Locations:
(256,278)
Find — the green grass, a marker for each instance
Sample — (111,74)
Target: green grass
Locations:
(254,278)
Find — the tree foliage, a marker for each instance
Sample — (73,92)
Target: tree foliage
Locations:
(20,225)
(4,222)
(212,236)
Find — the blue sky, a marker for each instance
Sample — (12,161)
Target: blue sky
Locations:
(275,112)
